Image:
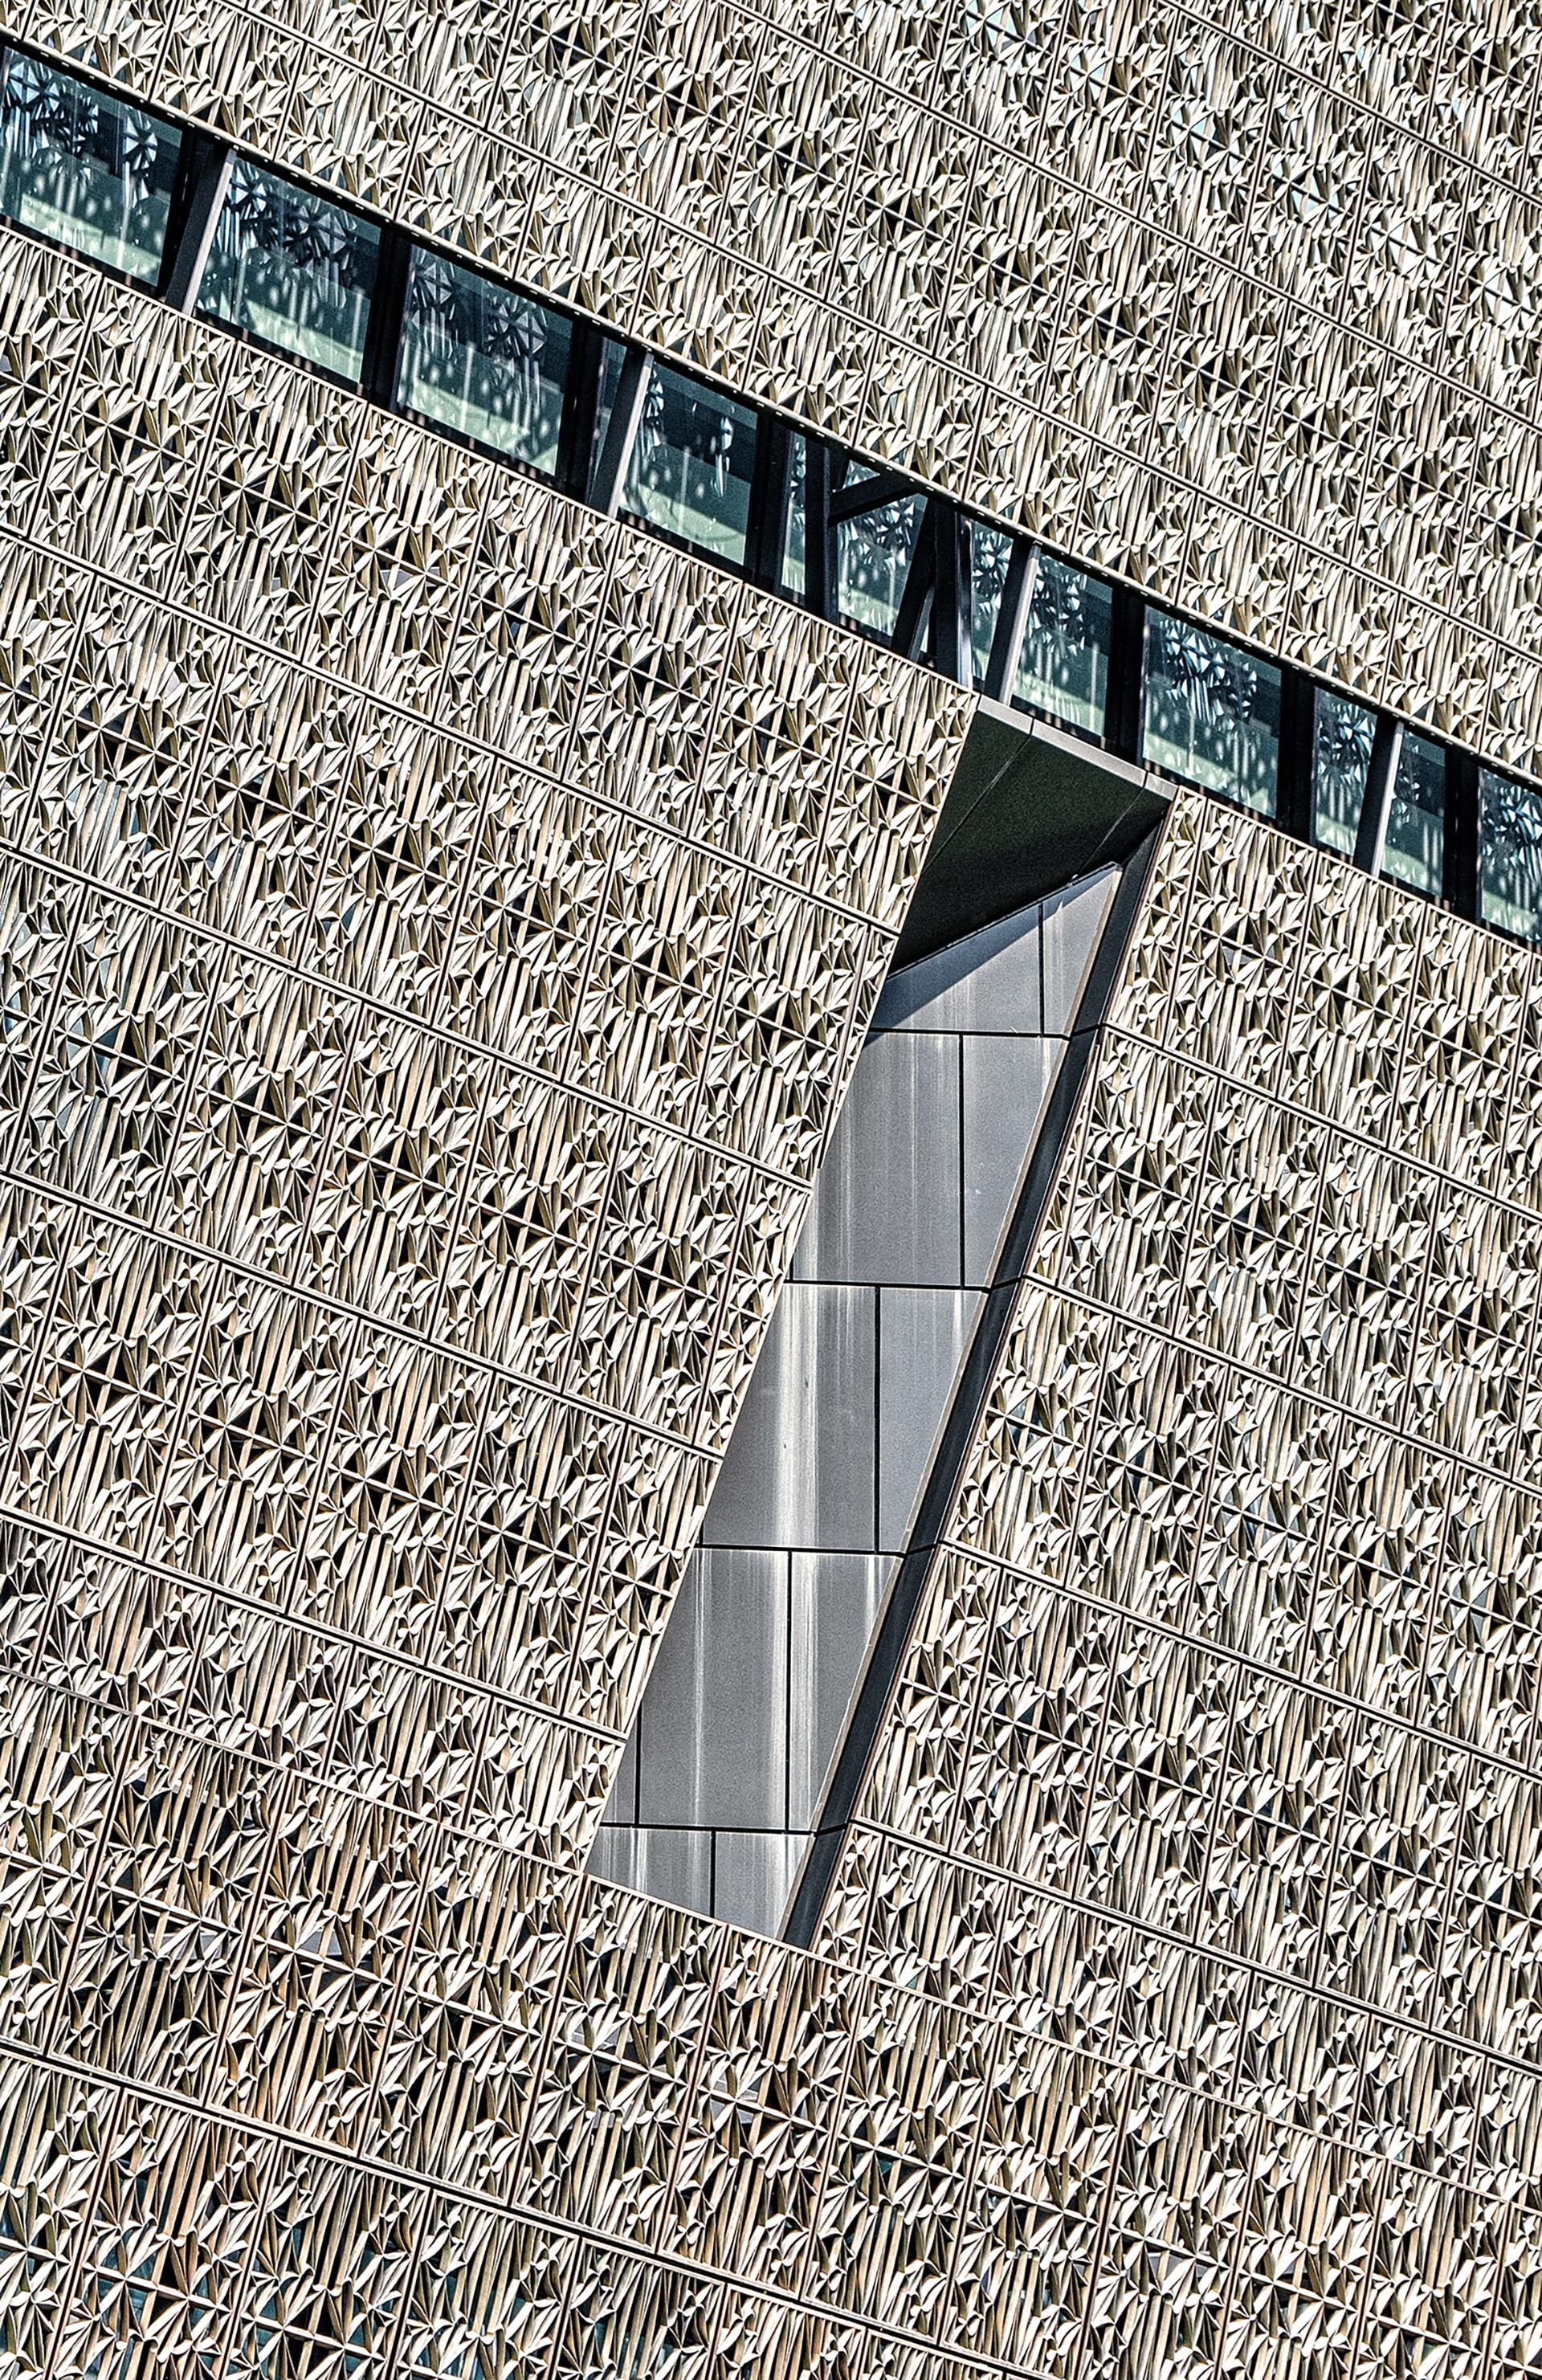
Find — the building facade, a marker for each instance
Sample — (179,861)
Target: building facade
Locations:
(771,1029)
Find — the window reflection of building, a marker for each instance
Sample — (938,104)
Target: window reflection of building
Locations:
(1065,667)
(85,169)
(1511,843)
(692,465)
(1414,853)
(483,361)
(1342,734)
(292,269)
(1211,713)
(875,550)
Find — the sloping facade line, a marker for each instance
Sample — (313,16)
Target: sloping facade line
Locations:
(453,938)
(551,393)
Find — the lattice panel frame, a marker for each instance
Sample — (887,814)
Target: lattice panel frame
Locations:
(1239,307)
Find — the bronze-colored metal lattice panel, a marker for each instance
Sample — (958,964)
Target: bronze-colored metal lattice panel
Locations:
(417,1032)
(1239,304)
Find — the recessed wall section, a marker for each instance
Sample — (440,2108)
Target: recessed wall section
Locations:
(745,1706)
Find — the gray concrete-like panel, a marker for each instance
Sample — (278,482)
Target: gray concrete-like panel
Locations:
(1006,1082)
(673,1864)
(753,1877)
(712,1732)
(1073,921)
(754,1682)
(886,1203)
(835,1600)
(988,983)
(799,1469)
(922,1335)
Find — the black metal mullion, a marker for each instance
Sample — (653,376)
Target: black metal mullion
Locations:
(953,650)
(1126,661)
(621,429)
(1011,622)
(771,493)
(383,331)
(1376,808)
(1462,826)
(920,580)
(821,577)
(580,407)
(198,202)
(871,495)
(1298,712)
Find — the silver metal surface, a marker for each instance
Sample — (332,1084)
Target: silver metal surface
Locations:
(621,1810)
(668,1863)
(922,1335)
(752,1878)
(800,1471)
(1006,1080)
(1073,921)
(885,1202)
(712,1738)
(990,982)
(835,1600)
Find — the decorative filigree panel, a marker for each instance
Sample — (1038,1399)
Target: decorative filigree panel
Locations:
(1241,307)
(1216,1749)
(1174,2002)
(434,928)
(424,1003)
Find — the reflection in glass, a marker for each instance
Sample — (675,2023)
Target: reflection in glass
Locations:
(1415,850)
(85,170)
(1510,846)
(875,550)
(1064,669)
(1211,713)
(1342,734)
(292,269)
(990,554)
(691,465)
(484,361)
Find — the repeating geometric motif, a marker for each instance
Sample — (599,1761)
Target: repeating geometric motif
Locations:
(420,895)
(419,1026)
(1240,305)
(1216,1752)
(1171,2014)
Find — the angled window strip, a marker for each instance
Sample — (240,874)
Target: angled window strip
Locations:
(863,1377)
(201,223)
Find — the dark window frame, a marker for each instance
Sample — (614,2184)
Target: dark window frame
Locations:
(151,287)
(764,565)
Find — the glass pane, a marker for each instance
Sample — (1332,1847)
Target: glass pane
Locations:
(1414,852)
(484,361)
(875,551)
(1064,669)
(691,466)
(292,269)
(1342,734)
(990,553)
(1210,713)
(85,170)
(1510,849)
